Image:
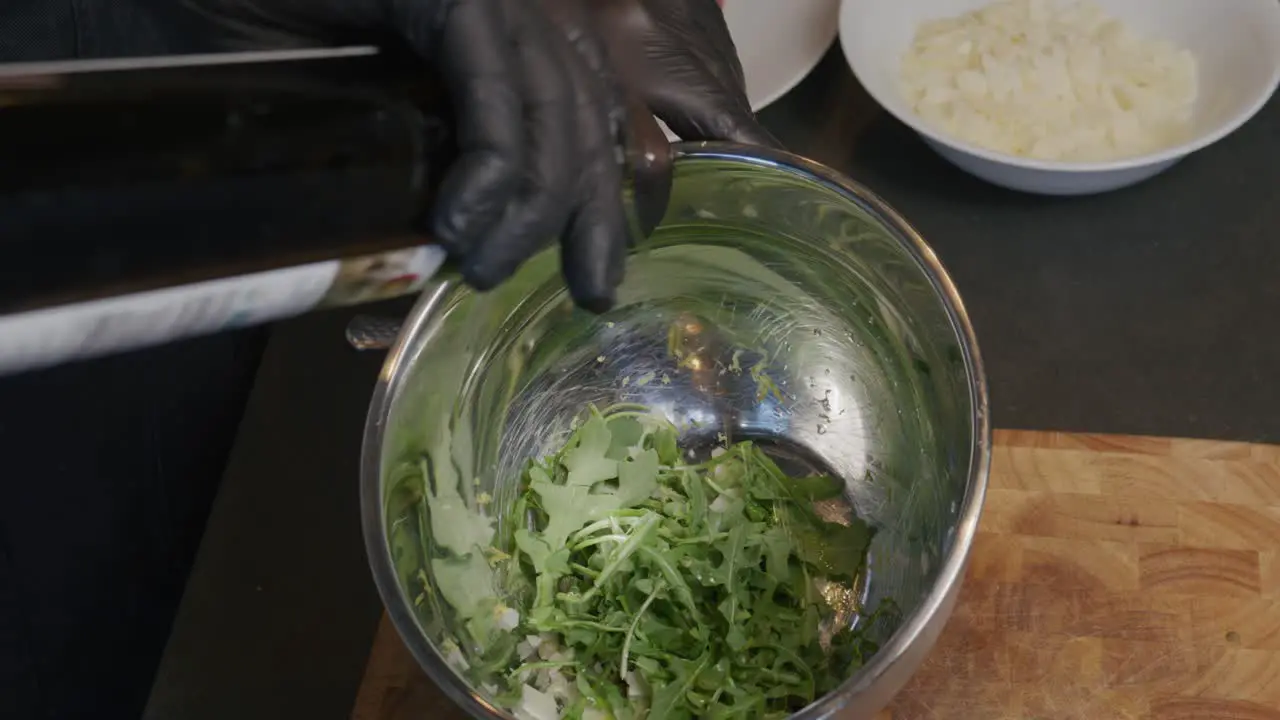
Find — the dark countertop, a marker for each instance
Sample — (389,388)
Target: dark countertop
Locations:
(1151,310)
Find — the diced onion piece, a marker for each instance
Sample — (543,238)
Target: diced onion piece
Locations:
(508,618)
(535,705)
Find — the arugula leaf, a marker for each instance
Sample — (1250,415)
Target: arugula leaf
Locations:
(568,507)
(626,433)
(466,583)
(669,695)
(453,524)
(697,494)
(834,549)
(575,504)
(734,552)
(777,553)
(639,536)
(663,439)
(637,478)
(587,461)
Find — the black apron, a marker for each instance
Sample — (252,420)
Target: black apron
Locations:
(107,467)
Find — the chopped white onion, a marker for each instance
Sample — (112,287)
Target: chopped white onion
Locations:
(560,687)
(508,618)
(524,650)
(547,649)
(454,657)
(636,689)
(535,705)
(1051,81)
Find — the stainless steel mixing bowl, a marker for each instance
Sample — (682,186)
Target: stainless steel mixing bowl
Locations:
(764,261)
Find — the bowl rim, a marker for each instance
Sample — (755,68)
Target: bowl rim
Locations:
(1175,152)
(919,626)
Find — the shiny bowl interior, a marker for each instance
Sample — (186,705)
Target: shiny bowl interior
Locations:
(764,261)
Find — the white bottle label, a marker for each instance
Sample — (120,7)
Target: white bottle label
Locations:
(69,332)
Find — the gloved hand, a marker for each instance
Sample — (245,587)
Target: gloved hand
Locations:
(539,110)
(690,75)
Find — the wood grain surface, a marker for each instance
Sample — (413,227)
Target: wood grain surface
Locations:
(1126,578)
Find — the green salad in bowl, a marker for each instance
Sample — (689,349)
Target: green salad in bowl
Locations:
(633,580)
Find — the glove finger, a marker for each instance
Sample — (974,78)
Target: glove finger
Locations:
(716,43)
(650,162)
(579,26)
(696,31)
(469,42)
(593,251)
(697,107)
(551,171)
(622,26)
(625,28)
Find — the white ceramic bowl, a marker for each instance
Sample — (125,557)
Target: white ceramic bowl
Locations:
(1236,43)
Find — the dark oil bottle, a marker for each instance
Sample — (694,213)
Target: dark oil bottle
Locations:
(144,200)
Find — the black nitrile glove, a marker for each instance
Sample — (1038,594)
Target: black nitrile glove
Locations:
(539,111)
(692,78)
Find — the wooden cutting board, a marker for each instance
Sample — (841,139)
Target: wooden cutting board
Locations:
(1118,577)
